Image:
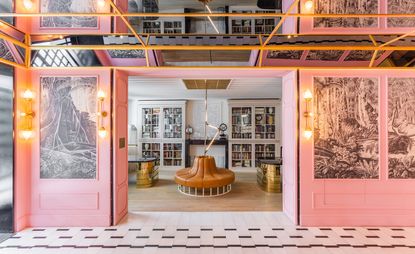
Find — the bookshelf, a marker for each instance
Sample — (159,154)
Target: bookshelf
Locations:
(162,133)
(172,154)
(264,151)
(173,27)
(265,122)
(151,150)
(151,27)
(151,123)
(241,155)
(258,25)
(254,133)
(241,122)
(173,122)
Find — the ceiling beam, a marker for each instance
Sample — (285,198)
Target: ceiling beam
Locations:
(224,47)
(283,18)
(202,14)
(127,23)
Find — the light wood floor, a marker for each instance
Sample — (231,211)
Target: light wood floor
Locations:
(246,195)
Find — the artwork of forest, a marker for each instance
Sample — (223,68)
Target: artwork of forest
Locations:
(401,127)
(346,128)
(68,6)
(401,7)
(68,127)
(346,7)
(5,52)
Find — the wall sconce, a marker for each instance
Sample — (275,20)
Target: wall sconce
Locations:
(27,115)
(308,6)
(28,4)
(101,5)
(102,132)
(308,131)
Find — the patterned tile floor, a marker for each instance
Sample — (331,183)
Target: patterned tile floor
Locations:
(214,232)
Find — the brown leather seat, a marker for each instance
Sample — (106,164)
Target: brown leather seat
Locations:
(204,174)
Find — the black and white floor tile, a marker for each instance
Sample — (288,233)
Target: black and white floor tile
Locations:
(220,232)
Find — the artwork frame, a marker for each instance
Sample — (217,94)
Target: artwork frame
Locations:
(91,23)
(404,6)
(87,154)
(331,7)
(341,152)
(400,123)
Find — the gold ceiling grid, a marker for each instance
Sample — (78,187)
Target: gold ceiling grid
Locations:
(263,40)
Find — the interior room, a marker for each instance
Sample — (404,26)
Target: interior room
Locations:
(207,126)
(166,118)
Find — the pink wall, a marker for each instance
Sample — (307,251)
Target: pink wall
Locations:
(61,202)
(22,162)
(348,202)
(289,145)
(120,149)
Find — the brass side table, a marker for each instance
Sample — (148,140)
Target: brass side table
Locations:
(269,175)
(147,173)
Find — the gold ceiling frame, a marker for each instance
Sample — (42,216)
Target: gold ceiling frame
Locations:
(225,47)
(127,23)
(145,45)
(283,18)
(203,14)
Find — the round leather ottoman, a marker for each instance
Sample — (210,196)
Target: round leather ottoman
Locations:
(204,179)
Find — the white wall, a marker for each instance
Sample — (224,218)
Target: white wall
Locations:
(195,117)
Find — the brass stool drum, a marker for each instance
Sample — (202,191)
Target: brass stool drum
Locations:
(204,179)
(146,171)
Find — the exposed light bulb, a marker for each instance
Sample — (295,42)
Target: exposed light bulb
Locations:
(308,95)
(309,5)
(308,133)
(26,134)
(28,95)
(101,94)
(61,37)
(102,132)
(28,4)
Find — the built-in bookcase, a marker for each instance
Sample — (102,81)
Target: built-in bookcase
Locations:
(242,122)
(255,131)
(151,123)
(241,155)
(161,131)
(257,25)
(151,150)
(264,151)
(172,154)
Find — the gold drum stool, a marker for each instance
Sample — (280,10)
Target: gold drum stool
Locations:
(269,175)
(146,171)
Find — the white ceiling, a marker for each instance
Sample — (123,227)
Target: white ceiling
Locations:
(173,88)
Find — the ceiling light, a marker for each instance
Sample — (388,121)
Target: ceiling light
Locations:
(28,4)
(309,5)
